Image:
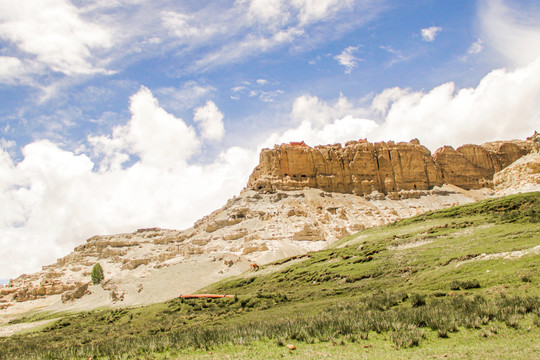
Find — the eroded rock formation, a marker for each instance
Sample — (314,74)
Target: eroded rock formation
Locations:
(298,199)
(361,167)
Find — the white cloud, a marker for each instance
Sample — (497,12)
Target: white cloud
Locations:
(513,32)
(181,25)
(429,34)
(248,46)
(476,47)
(505,105)
(316,10)
(11,68)
(269,96)
(263,95)
(237,89)
(59,39)
(54,199)
(384,100)
(304,11)
(252,27)
(54,34)
(267,11)
(155,136)
(347,59)
(397,56)
(210,121)
(311,108)
(186,96)
(337,131)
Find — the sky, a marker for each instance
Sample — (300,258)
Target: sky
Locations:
(124,114)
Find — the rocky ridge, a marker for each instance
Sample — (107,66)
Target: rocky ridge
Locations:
(361,167)
(521,176)
(266,222)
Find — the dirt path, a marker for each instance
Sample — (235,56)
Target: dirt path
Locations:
(511,255)
(9,330)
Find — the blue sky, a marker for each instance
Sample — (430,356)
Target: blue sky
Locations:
(121,114)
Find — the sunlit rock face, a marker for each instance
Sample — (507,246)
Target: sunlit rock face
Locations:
(361,167)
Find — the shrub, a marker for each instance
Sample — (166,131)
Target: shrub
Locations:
(384,300)
(467,284)
(442,333)
(454,285)
(97,274)
(512,322)
(470,284)
(406,338)
(417,300)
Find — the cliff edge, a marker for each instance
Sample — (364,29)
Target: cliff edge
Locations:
(361,167)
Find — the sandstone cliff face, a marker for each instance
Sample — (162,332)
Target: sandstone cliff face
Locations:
(521,176)
(361,167)
(473,166)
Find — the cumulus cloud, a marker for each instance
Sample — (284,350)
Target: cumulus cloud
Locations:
(54,34)
(311,108)
(155,136)
(347,59)
(429,34)
(210,121)
(54,199)
(504,105)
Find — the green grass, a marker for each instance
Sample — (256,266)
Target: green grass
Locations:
(412,289)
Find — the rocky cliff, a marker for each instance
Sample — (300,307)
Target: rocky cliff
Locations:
(298,199)
(361,167)
(155,264)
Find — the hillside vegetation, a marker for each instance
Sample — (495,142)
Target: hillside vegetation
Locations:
(461,282)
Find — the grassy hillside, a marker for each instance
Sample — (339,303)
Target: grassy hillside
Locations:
(461,282)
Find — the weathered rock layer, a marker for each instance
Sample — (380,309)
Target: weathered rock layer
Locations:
(361,167)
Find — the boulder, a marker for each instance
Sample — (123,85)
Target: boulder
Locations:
(75,294)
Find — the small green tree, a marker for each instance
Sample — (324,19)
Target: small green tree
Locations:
(97,274)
